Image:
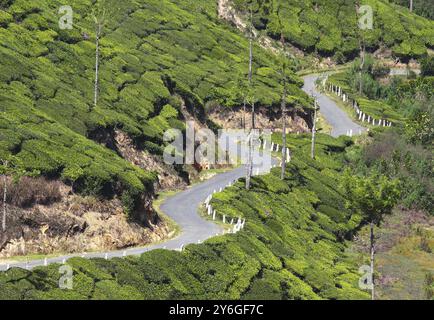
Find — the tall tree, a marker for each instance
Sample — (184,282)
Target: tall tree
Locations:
(250,76)
(373,196)
(362,49)
(100,15)
(312,148)
(251,61)
(411,5)
(283,101)
(5,192)
(362,64)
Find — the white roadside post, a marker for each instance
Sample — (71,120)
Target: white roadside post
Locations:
(213,215)
(224,218)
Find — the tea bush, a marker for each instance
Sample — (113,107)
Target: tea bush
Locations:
(292,247)
(153,53)
(328,27)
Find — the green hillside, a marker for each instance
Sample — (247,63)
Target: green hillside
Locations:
(424,8)
(330,27)
(292,246)
(153,54)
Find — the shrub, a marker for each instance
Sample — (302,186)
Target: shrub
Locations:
(27,191)
(427,66)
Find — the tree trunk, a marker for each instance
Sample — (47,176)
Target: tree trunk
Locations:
(250,142)
(372,247)
(312,149)
(251,64)
(411,5)
(249,162)
(244,115)
(253,115)
(98,33)
(283,105)
(4,199)
(362,63)
(282,176)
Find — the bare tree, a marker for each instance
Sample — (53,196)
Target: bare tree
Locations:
(5,186)
(312,149)
(362,51)
(100,16)
(244,114)
(98,35)
(362,64)
(251,62)
(250,138)
(283,110)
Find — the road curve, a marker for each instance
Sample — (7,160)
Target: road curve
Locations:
(183,207)
(339,120)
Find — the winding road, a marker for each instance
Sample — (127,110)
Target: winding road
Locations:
(339,120)
(183,207)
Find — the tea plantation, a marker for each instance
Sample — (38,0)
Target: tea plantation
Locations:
(330,27)
(292,246)
(154,56)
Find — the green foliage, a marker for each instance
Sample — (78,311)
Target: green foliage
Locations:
(374,196)
(427,66)
(424,8)
(292,245)
(153,54)
(398,101)
(330,27)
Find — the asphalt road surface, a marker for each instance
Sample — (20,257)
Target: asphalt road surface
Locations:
(339,120)
(183,207)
